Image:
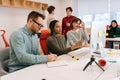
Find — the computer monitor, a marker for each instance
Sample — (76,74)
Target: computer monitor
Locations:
(98,36)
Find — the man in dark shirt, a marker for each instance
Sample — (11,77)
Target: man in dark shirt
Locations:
(66,21)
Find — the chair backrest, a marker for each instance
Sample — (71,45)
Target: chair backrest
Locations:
(43,38)
(4,59)
(118,26)
(4,39)
(107,26)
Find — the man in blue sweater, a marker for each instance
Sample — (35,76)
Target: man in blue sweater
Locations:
(24,49)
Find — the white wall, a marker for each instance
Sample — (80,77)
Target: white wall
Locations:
(69,3)
(115,5)
(14,18)
(92,6)
(98,6)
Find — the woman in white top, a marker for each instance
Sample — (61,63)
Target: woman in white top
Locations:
(77,34)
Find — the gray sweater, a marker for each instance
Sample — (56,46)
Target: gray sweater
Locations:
(57,45)
(78,35)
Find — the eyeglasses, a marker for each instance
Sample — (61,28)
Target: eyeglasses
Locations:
(39,25)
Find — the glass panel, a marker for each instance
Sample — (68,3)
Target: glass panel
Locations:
(87,20)
(103,17)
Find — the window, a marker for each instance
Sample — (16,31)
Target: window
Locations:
(103,17)
(87,19)
(118,17)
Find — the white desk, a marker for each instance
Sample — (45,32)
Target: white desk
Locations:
(111,72)
(113,39)
(74,71)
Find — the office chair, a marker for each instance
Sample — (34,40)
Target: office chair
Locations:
(4,39)
(4,59)
(43,38)
(106,43)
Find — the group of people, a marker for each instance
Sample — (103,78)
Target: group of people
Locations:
(113,31)
(24,50)
(70,36)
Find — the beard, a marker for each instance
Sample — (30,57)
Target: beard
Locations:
(33,31)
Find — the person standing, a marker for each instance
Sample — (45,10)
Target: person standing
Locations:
(66,21)
(51,11)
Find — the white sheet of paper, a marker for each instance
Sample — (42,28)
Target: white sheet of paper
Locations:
(81,51)
(57,63)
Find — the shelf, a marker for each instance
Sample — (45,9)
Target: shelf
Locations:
(37,6)
(19,3)
(12,3)
(29,4)
(24,4)
(5,2)
(44,6)
(0,2)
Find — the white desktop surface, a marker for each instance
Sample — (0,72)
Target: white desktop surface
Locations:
(73,71)
(113,39)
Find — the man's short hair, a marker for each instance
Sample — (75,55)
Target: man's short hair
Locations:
(35,15)
(69,8)
(50,9)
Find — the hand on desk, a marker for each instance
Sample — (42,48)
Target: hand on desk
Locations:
(77,45)
(87,45)
(52,57)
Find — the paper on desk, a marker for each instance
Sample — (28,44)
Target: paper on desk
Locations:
(81,51)
(57,63)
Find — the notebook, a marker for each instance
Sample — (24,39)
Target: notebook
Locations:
(57,63)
